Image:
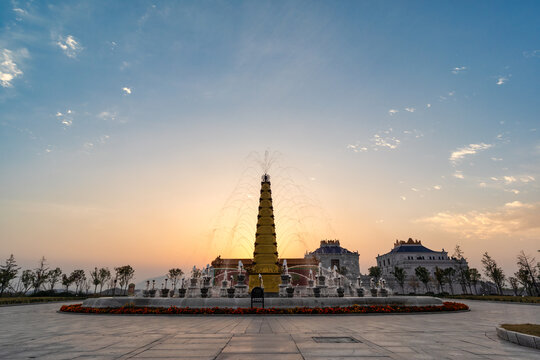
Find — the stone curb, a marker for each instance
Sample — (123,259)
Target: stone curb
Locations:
(519,338)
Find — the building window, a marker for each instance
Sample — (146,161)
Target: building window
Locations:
(334,262)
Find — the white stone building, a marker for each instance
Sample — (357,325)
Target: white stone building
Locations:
(331,254)
(411,254)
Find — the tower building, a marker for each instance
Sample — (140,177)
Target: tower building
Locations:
(265,255)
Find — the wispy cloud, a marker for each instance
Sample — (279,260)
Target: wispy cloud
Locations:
(437,187)
(459,175)
(511,219)
(393,111)
(65,118)
(428,106)
(107,115)
(511,179)
(8,68)
(69,45)
(126,90)
(459,69)
(357,148)
(386,142)
(531,53)
(471,149)
(410,109)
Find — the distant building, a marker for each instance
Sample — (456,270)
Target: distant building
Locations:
(411,254)
(331,254)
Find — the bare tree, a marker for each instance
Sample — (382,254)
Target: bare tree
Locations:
(529,273)
(40,274)
(493,272)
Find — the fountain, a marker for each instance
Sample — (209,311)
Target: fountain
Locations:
(327,288)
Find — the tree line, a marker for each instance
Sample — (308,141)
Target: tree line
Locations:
(525,281)
(43,279)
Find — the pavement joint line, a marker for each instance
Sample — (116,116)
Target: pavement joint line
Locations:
(224,346)
(143,348)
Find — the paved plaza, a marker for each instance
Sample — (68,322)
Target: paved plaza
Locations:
(39,332)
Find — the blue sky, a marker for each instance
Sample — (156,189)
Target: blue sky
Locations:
(407,118)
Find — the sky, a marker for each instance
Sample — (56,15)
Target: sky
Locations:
(135,132)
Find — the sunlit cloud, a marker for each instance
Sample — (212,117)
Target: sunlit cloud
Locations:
(69,45)
(437,187)
(428,106)
(388,142)
(502,79)
(459,69)
(511,219)
(126,90)
(8,68)
(459,175)
(496,159)
(471,149)
(403,198)
(393,111)
(357,148)
(410,109)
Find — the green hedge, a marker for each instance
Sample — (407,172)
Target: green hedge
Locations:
(519,299)
(29,300)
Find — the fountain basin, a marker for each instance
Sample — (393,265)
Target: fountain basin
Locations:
(282,303)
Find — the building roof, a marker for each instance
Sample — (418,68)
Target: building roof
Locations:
(411,248)
(331,247)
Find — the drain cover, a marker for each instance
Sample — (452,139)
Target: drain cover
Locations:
(335,339)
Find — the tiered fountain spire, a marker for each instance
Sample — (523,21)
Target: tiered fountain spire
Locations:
(265,255)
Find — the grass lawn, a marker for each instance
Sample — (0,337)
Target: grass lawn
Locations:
(529,329)
(30,300)
(520,299)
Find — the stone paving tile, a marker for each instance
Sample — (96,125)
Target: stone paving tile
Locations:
(38,331)
(236,356)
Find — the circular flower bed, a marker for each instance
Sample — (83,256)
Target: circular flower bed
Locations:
(354,309)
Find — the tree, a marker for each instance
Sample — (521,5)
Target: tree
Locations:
(375,272)
(54,275)
(423,275)
(529,273)
(78,277)
(104,276)
(174,275)
(475,277)
(493,272)
(462,270)
(27,280)
(413,283)
(8,272)
(514,283)
(40,274)
(399,274)
(124,274)
(440,278)
(66,281)
(94,275)
(449,277)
